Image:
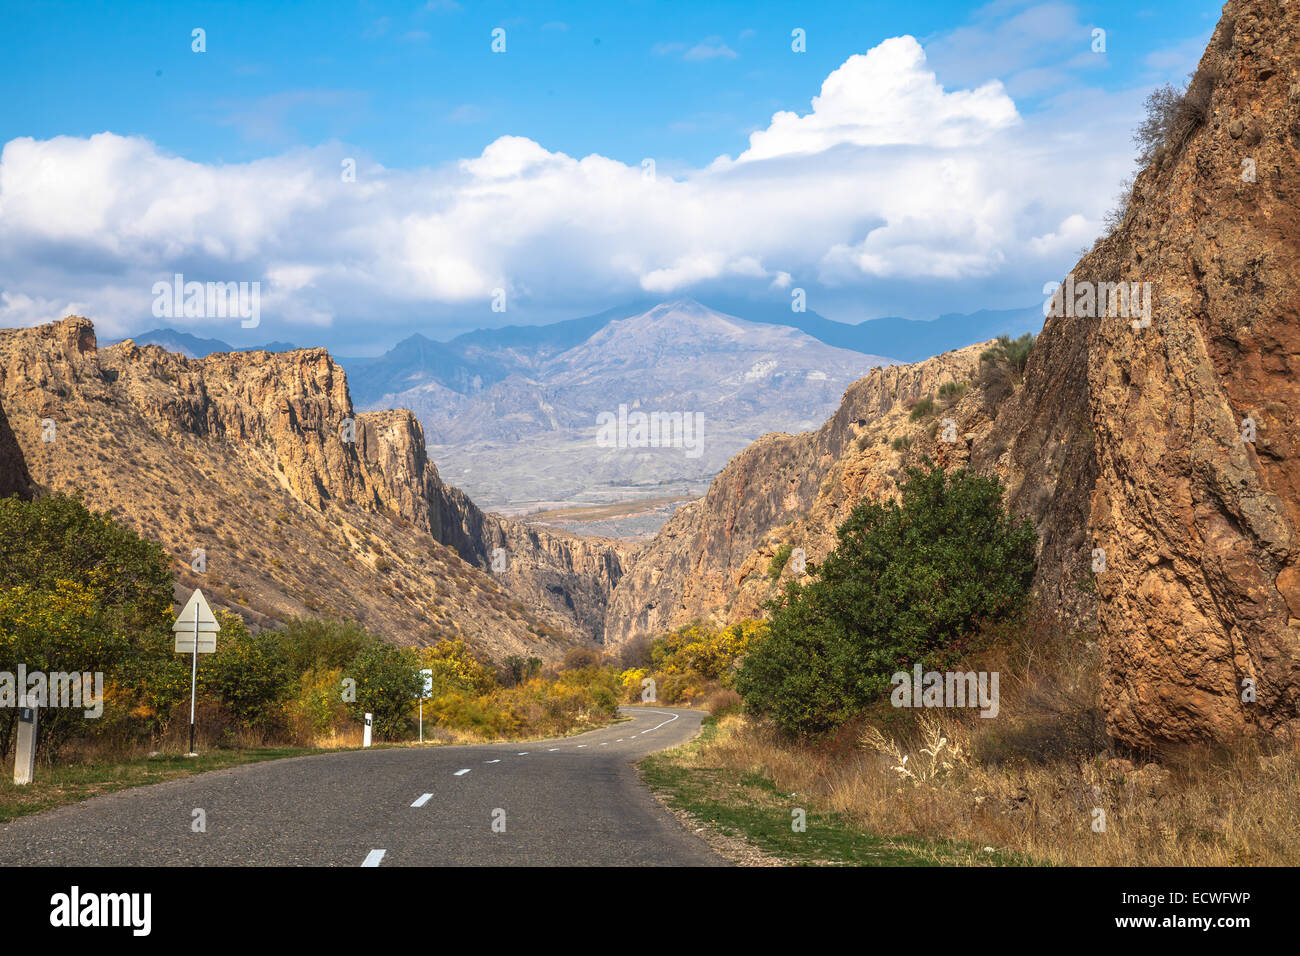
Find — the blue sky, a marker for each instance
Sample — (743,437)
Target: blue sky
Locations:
(287,91)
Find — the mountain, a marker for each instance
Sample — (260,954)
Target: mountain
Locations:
(247,456)
(191,346)
(1166,446)
(473,360)
(905,340)
(534,436)
(481,358)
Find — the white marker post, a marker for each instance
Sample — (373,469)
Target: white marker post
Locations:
(25,758)
(196,632)
(426,691)
(365,739)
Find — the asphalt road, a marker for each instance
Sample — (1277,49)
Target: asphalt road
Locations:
(572,801)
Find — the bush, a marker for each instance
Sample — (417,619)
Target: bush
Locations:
(908,581)
(949,392)
(313,643)
(455,668)
(1010,353)
(248,674)
(1163,106)
(778,562)
(388,686)
(80,593)
(516,669)
(922,408)
(699,653)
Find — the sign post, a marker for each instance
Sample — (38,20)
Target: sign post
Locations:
(196,632)
(25,758)
(426,691)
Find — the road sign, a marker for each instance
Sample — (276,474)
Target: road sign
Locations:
(196,633)
(196,623)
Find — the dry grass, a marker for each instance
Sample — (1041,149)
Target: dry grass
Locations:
(1032,780)
(1233,809)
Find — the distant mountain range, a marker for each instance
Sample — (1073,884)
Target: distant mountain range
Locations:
(510,414)
(485,356)
(192,346)
(513,418)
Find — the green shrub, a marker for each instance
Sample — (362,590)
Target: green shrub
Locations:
(388,686)
(80,593)
(777,564)
(248,674)
(312,643)
(949,392)
(908,581)
(1012,354)
(922,409)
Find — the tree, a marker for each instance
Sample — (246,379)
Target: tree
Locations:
(388,685)
(249,674)
(318,643)
(908,581)
(79,593)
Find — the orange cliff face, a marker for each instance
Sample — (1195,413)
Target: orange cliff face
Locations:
(299,505)
(1198,491)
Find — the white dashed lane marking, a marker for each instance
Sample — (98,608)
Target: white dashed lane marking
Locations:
(498,760)
(423,800)
(461,773)
(373,857)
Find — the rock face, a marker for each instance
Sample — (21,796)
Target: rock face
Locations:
(14,479)
(298,505)
(710,560)
(1170,447)
(1202,590)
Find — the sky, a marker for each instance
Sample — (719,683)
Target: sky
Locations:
(380,168)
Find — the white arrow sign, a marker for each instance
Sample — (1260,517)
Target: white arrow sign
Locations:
(196,621)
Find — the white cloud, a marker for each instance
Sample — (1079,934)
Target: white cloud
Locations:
(889,177)
(882,98)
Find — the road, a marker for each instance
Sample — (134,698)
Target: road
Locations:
(572,801)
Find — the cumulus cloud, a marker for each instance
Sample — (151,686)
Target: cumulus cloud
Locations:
(883,98)
(888,177)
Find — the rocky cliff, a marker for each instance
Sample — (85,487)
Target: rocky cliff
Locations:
(710,560)
(253,470)
(14,478)
(1166,444)
(1198,491)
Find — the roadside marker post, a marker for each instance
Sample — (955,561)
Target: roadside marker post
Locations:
(365,740)
(425,691)
(196,632)
(25,757)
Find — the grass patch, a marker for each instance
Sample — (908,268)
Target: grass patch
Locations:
(749,805)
